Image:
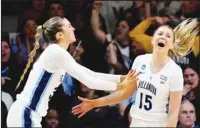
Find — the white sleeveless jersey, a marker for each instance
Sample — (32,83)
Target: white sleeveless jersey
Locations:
(152,100)
(48,73)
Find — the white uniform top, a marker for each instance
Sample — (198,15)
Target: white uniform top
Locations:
(48,72)
(152,100)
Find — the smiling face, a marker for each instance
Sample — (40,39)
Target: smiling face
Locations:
(163,39)
(5,51)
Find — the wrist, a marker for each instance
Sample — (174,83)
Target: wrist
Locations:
(94,103)
(122,77)
(95,9)
(119,86)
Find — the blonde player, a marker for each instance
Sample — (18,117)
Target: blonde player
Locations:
(160,84)
(48,71)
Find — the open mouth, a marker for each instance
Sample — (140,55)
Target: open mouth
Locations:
(160,44)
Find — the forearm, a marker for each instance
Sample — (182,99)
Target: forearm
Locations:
(103,76)
(174,106)
(142,26)
(88,79)
(147,9)
(95,25)
(116,96)
(111,99)
(172,120)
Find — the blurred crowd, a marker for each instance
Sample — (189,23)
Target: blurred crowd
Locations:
(110,35)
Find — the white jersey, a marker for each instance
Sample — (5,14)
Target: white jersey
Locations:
(48,72)
(152,100)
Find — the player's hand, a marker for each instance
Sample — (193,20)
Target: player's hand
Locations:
(84,107)
(130,80)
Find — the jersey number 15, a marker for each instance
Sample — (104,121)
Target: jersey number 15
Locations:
(147,103)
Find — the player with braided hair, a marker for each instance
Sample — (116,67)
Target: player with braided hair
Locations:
(48,71)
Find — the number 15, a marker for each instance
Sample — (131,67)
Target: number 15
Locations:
(148,104)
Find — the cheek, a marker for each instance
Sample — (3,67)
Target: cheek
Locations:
(126,31)
(154,39)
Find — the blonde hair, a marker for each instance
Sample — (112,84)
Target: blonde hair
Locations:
(32,54)
(185,34)
(47,31)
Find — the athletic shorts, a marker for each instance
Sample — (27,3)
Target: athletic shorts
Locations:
(141,123)
(21,116)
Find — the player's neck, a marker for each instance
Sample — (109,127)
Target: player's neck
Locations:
(63,44)
(159,60)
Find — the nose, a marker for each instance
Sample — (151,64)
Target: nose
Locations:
(188,115)
(73,28)
(189,78)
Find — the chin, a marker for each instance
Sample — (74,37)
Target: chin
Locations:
(72,41)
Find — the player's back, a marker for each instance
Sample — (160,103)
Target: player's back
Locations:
(41,84)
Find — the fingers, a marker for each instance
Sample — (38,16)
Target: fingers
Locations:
(130,73)
(76,107)
(80,98)
(133,75)
(187,87)
(76,111)
(82,114)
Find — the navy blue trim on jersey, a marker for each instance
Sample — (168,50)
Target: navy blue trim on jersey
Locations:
(36,96)
(27,119)
(167,107)
(39,90)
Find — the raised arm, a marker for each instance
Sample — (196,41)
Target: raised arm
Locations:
(116,97)
(58,58)
(95,21)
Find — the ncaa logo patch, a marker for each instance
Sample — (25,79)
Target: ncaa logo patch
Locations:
(143,69)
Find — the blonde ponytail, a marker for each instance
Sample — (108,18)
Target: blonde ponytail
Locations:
(32,54)
(185,34)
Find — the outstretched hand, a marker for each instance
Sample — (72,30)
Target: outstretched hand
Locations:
(83,108)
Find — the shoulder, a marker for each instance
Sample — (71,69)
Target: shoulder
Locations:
(54,50)
(52,47)
(175,68)
(143,57)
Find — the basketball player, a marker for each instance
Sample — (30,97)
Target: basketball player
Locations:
(48,71)
(160,83)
